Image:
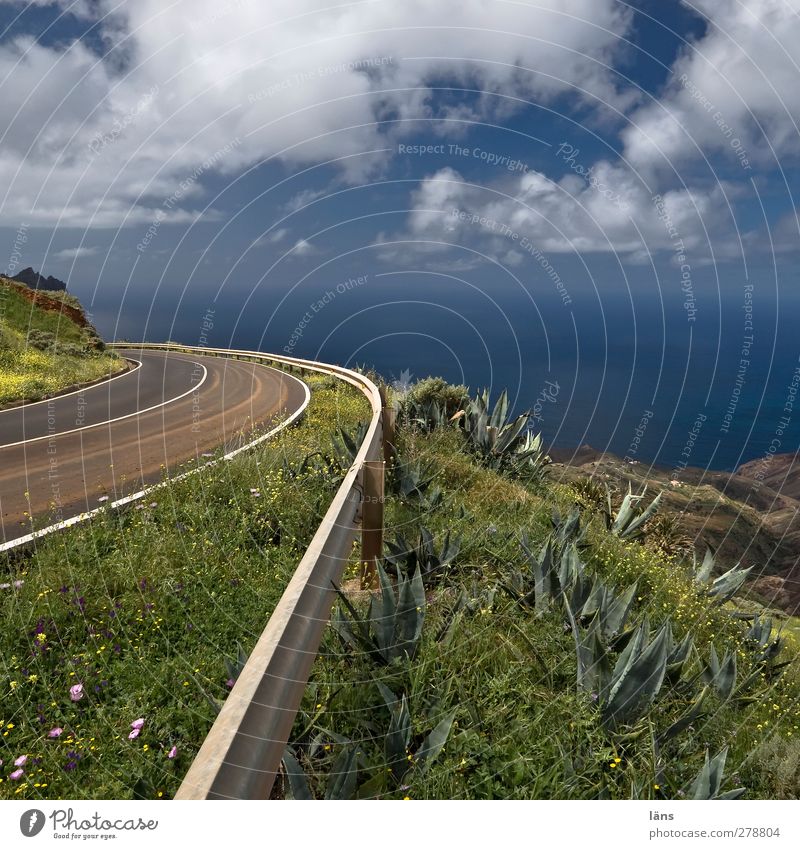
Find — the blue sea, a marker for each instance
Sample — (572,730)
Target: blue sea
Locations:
(703,378)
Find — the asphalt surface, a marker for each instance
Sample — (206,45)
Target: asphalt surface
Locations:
(67,455)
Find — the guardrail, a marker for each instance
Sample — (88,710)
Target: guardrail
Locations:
(242,752)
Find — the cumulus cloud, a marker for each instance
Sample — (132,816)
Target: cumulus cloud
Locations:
(103,141)
(608,212)
(734,91)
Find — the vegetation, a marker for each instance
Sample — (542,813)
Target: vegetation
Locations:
(562,654)
(121,637)
(43,352)
(525,639)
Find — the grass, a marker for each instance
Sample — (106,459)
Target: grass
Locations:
(31,373)
(147,610)
(142,608)
(522,729)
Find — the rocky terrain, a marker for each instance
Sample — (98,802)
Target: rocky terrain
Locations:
(33,280)
(749,516)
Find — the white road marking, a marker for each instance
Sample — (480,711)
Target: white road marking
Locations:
(82,517)
(111,421)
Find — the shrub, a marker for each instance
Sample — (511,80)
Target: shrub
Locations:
(436,390)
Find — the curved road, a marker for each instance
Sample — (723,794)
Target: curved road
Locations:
(67,455)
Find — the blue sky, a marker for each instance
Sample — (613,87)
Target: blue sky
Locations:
(165,158)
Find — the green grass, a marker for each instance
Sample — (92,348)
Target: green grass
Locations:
(522,730)
(28,373)
(143,607)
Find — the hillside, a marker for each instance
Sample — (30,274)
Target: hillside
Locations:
(523,643)
(746,522)
(47,344)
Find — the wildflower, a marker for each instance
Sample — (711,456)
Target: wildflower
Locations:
(172,752)
(229,683)
(17,774)
(18,584)
(134,734)
(21,760)
(76,692)
(55,732)
(138,723)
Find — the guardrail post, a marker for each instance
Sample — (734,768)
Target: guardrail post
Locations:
(389,418)
(371,521)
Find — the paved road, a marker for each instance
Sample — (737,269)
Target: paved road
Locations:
(58,458)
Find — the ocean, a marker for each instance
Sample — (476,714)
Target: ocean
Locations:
(704,378)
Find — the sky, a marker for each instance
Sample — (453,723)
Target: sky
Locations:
(467,183)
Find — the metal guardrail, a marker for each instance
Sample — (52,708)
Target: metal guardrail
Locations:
(242,752)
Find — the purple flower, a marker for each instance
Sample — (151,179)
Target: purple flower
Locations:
(21,760)
(17,774)
(134,734)
(18,584)
(138,723)
(229,683)
(172,752)
(55,732)
(76,692)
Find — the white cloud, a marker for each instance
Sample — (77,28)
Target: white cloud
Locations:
(304,82)
(303,248)
(75,253)
(611,214)
(734,91)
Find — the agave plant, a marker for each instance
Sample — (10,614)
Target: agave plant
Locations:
(346,445)
(766,649)
(691,715)
(529,462)
(721,675)
(398,756)
(413,481)
(425,415)
(342,779)
(724,587)
(637,677)
(499,442)
(626,691)
(630,520)
(392,628)
(432,562)
(567,529)
(708,781)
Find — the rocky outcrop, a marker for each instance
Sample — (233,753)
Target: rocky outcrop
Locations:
(33,280)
